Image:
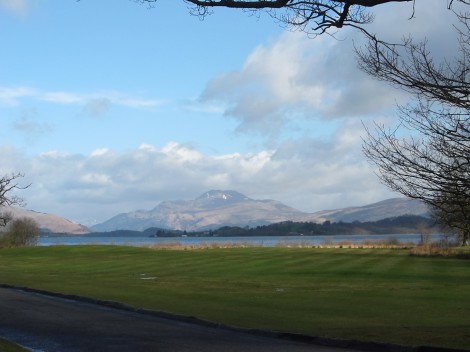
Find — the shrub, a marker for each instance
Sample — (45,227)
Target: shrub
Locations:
(20,232)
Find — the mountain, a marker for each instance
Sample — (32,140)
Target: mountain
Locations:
(48,222)
(217,208)
(389,208)
(211,210)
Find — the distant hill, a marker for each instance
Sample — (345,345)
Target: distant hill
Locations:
(373,212)
(217,208)
(48,222)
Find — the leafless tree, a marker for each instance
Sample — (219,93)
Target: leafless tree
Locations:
(312,16)
(453,213)
(8,184)
(432,163)
(5,218)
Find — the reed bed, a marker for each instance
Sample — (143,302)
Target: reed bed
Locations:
(440,250)
(436,249)
(202,245)
(368,244)
(433,249)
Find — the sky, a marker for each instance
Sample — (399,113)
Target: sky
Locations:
(111,106)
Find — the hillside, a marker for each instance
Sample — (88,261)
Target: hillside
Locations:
(372,212)
(48,222)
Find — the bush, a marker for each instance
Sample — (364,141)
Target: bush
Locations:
(20,232)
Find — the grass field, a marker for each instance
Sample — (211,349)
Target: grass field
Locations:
(379,295)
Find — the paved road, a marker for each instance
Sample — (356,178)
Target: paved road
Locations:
(49,324)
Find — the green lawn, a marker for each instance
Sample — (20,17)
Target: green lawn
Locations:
(366,294)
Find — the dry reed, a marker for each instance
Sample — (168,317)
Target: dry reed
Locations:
(439,249)
(202,245)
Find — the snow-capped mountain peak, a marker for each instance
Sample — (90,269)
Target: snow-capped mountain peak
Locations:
(218,195)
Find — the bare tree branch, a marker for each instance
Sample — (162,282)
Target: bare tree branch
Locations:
(314,17)
(433,166)
(8,184)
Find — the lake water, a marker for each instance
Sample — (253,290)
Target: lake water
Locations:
(267,241)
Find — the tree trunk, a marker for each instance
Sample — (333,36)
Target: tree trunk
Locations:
(465,238)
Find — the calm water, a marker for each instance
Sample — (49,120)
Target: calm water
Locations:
(269,241)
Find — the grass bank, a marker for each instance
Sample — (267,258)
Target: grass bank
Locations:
(379,295)
(7,346)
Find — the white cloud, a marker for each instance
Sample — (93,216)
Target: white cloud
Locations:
(17,7)
(61,97)
(198,106)
(93,103)
(96,179)
(297,77)
(54,154)
(100,152)
(135,102)
(181,154)
(10,95)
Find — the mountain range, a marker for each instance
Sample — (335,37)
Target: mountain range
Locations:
(217,208)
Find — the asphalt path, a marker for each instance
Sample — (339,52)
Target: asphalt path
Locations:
(45,323)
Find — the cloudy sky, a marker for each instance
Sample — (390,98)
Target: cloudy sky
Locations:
(110,106)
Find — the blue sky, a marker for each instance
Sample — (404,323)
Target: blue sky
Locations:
(110,106)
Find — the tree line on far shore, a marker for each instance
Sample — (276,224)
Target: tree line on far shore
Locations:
(397,225)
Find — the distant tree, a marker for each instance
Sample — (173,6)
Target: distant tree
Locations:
(8,183)
(21,232)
